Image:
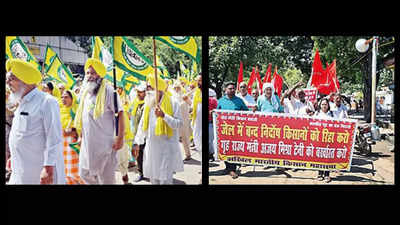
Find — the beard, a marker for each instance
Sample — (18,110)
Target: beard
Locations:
(150,98)
(93,86)
(15,98)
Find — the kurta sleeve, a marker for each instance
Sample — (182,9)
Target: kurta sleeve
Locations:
(175,121)
(53,131)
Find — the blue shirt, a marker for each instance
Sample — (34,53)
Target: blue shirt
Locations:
(235,103)
(265,105)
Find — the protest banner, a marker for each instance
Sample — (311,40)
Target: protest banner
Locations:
(311,94)
(284,140)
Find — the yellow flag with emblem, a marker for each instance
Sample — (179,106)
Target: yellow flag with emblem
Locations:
(128,58)
(49,55)
(16,49)
(123,78)
(60,73)
(184,44)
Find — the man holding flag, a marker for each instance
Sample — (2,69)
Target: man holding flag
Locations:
(95,118)
(159,127)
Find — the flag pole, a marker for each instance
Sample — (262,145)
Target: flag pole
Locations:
(115,93)
(155,68)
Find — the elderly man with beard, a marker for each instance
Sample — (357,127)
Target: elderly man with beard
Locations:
(35,137)
(184,131)
(159,126)
(269,102)
(95,118)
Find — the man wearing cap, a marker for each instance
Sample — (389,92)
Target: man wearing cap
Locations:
(95,118)
(136,111)
(159,126)
(36,135)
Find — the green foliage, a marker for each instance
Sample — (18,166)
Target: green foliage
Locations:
(293,55)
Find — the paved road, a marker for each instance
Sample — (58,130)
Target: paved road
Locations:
(190,176)
(377,169)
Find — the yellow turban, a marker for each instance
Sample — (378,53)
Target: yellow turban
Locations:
(162,85)
(97,65)
(24,71)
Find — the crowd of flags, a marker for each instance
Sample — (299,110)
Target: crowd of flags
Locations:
(276,79)
(324,80)
(130,64)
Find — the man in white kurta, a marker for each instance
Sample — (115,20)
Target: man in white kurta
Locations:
(185,130)
(98,158)
(35,137)
(162,156)
(197,118)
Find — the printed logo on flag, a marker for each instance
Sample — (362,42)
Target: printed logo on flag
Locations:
(132,58)
(179,39)
(106,58)
(61,74)
(18,51)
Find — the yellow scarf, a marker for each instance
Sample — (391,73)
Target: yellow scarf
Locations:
(196,100)
(98,109)
(162,127)
(135,105)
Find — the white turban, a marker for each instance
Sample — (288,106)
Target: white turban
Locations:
(268,85)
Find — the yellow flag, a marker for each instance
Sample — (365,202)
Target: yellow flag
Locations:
(16,49)
(50,54)
(102,53)
(184,44)
(123,78)
(59,72)
(130,59)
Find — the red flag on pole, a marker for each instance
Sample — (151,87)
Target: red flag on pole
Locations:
(332,84)
(278,83)
(267,77)
(318,75)
(240,76)
(259,84)
(251,80)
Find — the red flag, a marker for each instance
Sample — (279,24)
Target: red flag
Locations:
(240,76)
(332,84)
(259,84)
(267,77)
(318,75)
(251,80)
(278,83)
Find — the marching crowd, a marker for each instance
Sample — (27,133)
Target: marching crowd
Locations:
(56,135)
(293,101)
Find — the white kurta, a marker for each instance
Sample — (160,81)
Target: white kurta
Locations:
(98,135)
(36,139)
(162,156)
(197,128)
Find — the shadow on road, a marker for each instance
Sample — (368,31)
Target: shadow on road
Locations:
(179,182)
(193,162)
(355,179)
(264,174)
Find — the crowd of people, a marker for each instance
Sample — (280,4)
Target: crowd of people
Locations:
(293,101)
(83,135)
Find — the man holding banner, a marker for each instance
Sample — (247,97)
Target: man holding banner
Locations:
(231,102)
